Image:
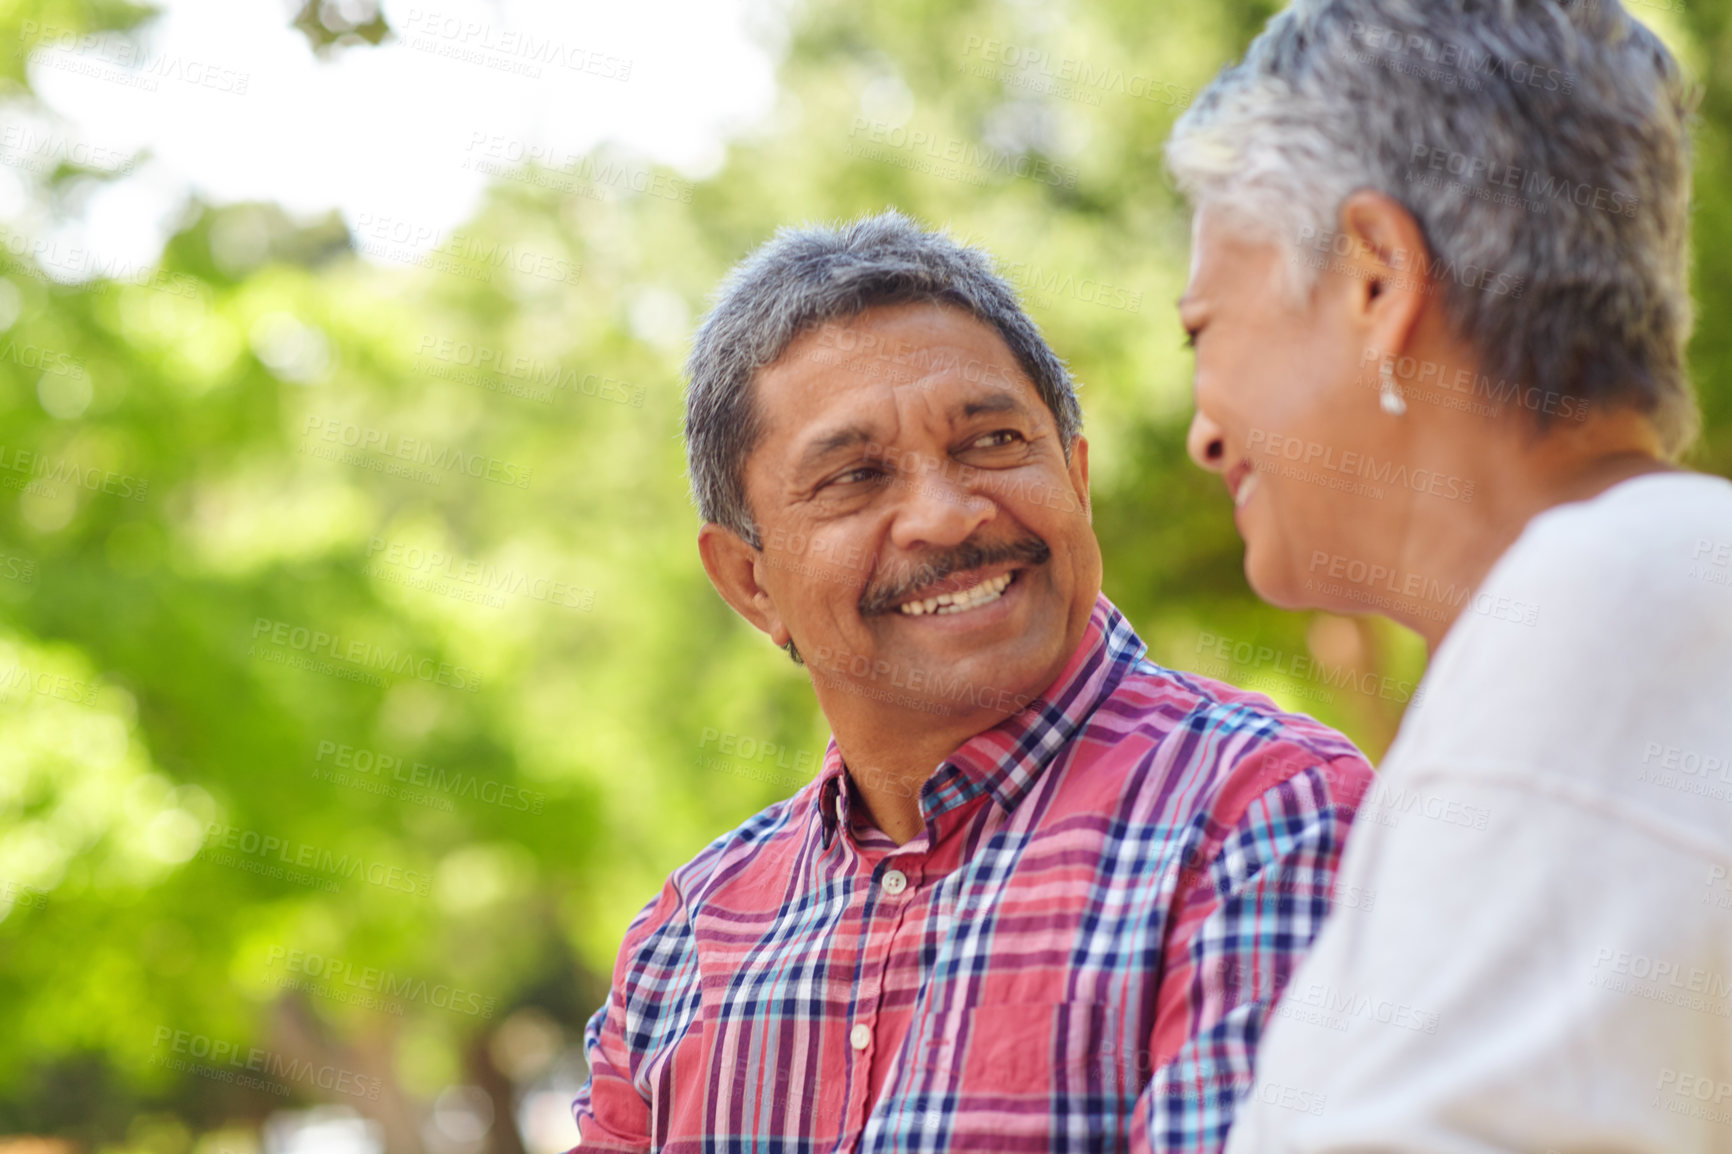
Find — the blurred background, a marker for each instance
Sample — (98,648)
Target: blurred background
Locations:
(358,676)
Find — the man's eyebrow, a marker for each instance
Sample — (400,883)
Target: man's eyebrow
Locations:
(848,437)
(988,403)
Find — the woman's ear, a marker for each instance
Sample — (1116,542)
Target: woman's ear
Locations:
(1390,262)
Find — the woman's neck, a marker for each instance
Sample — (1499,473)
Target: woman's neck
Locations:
(1518,473)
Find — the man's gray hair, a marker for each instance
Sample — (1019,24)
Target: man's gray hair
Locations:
(801,279)
(1541,145)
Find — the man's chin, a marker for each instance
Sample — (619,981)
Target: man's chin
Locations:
(1001,678)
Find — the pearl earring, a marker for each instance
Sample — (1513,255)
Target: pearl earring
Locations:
(1390,398)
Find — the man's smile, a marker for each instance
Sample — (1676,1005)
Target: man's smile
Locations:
(975,590)
(962,579)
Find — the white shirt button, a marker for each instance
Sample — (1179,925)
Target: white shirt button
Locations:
(860,1036)
(894,882)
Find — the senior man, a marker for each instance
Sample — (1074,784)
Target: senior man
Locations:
(1043,893)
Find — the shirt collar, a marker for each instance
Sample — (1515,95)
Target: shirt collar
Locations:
(1005,760)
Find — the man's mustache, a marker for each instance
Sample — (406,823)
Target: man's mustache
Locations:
(882,595)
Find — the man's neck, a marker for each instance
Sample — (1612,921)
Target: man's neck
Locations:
(891,748)
(891,751)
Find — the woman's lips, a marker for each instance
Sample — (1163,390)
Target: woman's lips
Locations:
(1236,479)
(1245,489)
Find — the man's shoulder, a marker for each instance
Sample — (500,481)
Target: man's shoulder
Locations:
(745,847)
(1231,744)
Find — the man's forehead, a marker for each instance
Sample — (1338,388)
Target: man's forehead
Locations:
(860,362)
(908,334)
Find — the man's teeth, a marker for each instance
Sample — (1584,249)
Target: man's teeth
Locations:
(1245,489)
(962,599)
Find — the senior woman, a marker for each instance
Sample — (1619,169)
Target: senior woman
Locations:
(1439,306)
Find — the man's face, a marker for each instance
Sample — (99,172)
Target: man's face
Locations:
(906,460)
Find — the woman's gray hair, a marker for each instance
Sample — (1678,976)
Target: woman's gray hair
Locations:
(1542,147)
(802,278)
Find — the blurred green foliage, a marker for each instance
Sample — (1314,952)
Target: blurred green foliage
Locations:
(522,721)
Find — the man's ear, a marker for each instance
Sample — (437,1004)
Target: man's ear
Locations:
(734,567)
(1079,474)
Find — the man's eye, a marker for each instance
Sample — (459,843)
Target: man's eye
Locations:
(997,439)
(1191,338)
(854,476)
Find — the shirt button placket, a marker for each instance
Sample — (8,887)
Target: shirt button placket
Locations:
(882,934)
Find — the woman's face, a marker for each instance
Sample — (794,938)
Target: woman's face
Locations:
(1288,414)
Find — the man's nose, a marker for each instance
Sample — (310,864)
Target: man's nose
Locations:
(936,507)
(1206,443)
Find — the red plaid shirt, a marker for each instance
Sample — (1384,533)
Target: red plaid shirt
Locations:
(1078,953)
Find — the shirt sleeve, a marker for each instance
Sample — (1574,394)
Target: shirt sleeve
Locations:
(611,1112)
(1244,915)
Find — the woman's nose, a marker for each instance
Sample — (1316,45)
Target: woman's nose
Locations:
(1206,443)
